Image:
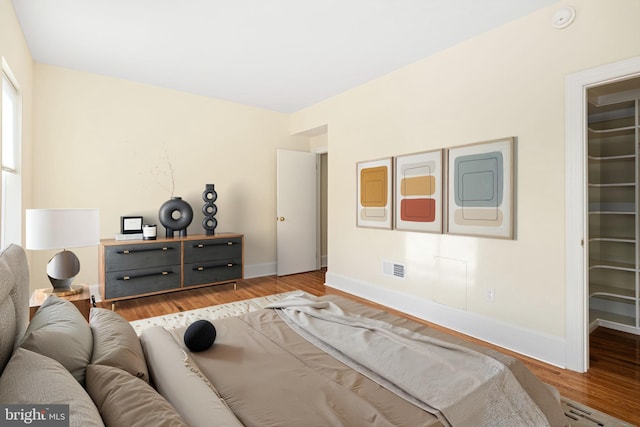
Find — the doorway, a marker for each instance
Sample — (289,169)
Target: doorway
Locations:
(324,216)
(612,205)
(577,203)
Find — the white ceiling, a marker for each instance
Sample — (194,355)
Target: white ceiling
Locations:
(282,55)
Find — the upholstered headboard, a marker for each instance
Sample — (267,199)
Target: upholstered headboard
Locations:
(14,300)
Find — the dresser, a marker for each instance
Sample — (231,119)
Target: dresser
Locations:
(135,268)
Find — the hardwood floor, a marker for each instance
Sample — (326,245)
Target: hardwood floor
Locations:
(612,384)
(174,302)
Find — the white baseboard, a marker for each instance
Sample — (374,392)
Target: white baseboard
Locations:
(267,269)
(613,325)
(259,270)
(544,347)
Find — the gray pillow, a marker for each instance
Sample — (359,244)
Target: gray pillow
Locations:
(115,343)
(31,378)
(58,330)
(124,400)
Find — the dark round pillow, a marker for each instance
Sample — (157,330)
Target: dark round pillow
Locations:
(200,335)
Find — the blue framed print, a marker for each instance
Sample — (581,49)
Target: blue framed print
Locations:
(480,192)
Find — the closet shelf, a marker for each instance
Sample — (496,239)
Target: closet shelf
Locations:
(599,289)
(612,213)
(623,129)
(612,207)
(612,239)
(611,265)
(607,316)
(620,157)
(617,184)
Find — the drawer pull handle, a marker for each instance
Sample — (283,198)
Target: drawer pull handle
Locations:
(133,251)
(163,273)
(203,268)
(206,245)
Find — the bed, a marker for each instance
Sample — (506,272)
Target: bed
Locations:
(326,361)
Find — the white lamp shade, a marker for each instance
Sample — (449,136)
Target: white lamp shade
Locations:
(62,228)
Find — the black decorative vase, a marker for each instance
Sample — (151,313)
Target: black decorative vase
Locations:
(209,196)
(175,215)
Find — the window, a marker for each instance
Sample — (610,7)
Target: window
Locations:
(11,207)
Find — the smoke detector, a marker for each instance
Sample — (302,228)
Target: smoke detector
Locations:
(562,18)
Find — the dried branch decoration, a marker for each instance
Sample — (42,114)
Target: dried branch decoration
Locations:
(159,173)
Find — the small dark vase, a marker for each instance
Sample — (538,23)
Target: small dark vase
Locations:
(175,215)
(209,209)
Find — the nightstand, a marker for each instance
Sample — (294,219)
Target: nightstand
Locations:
(82,300)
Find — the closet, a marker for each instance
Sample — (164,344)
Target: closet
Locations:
(613,204)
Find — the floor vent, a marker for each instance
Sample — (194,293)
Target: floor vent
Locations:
(394,269)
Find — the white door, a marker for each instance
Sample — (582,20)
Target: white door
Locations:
(296,212)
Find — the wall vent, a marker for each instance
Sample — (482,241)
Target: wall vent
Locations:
(394,269)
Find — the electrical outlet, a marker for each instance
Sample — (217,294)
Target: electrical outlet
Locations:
(491,295)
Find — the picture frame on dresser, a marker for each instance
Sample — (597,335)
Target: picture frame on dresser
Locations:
(131,224)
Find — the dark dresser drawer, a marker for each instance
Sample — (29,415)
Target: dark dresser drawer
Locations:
(125,257)
(142,281)
(135,268)
(212,272)
(212,249)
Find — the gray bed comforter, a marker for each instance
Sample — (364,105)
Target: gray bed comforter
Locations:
(456,384)
(268,374)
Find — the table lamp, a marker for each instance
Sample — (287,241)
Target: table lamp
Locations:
(62,229)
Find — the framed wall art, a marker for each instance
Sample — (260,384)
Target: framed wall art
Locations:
(418,192)
(480,189)
(374,183)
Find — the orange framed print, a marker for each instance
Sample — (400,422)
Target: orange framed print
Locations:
(480,194)
(374,182)
(418,192)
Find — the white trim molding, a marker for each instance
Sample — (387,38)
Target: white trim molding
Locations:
(9,73)
(548,348)
(577,298)
(259,270)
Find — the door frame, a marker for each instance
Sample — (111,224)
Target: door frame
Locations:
(576,262)
(319,151)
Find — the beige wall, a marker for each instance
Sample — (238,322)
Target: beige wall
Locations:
(14,51)
(507,82)
(109,143)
